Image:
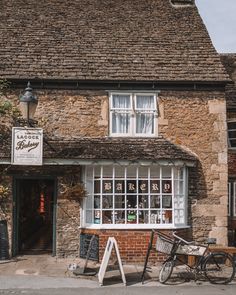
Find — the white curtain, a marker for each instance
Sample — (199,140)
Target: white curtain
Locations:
(121,113)
(145,116)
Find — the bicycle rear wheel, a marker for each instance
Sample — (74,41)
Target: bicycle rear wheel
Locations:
(166,271)
(219,268)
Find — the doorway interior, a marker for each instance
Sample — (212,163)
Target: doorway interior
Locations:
(34,216)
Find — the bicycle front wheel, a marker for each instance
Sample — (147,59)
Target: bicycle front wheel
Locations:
(219,268)
(166,271)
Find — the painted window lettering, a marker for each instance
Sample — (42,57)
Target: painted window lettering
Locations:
(135,196)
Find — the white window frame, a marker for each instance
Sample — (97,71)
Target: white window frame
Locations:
(133,111)
(137,225)
(232,198)
(229,198)
(229,138)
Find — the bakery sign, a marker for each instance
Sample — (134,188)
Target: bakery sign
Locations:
(27,146)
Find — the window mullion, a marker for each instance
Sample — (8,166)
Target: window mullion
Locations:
(234,199)
(173,199)
(125,178)
(101,195)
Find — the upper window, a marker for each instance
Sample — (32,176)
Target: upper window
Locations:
(232,134)
(232,198)
(135,196)
(133,114)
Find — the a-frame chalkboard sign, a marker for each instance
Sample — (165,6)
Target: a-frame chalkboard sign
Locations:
(107,254)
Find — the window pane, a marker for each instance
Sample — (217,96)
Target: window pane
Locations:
(131,171)
(143,217)
(144,123)
(231,125)
(97,216)
(131,202)
(166,172)
(155,202)
(119,202)
(178,173)
(107,217)
(119,217)
(179,187)
(143,172)
(166,201)
(119,172)
(232,143)
(107,186)
(97,202)
(166,186)
(120,123)
(167,216)
(107,171)
(143,202)
(97,186)
(232,134)
(119,186)
(145,102)
(155,186)
(107,202)
(155,171)
(121,101)
(132,216)
(89,216)
(155,216)
(131,186)
(143,186)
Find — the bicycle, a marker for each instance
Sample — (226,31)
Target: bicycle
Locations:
(218,267)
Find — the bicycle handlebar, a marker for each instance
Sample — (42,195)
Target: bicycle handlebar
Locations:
(181,239)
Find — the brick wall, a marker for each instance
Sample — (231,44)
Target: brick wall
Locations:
(133,244)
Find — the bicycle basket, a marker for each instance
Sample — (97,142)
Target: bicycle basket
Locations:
(164,244)
(193,250)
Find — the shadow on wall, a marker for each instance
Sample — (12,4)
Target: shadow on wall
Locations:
(201,225)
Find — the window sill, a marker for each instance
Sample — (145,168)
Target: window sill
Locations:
(133,226)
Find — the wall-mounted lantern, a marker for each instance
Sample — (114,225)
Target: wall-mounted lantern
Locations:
(28,105)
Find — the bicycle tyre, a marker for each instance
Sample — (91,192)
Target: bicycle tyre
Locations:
(219,268)
(166,271)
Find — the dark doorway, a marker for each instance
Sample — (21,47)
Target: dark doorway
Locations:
(34,213)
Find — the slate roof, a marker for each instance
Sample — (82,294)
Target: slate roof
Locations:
(111,149)
(135,40)
(229,62)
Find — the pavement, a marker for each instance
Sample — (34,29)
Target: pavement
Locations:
(46,272)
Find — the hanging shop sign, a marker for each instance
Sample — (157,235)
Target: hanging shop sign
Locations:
(27,146)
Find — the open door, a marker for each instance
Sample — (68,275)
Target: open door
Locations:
(34,216)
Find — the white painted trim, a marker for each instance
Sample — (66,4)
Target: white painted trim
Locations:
(229,198)
(132,111)
(133,226)
(81,162)
(138,225)
(234,200)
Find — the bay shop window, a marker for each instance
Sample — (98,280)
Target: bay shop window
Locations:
(135,197)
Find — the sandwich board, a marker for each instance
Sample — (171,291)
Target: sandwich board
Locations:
(107,254)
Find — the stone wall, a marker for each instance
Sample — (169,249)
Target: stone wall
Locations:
(196,120)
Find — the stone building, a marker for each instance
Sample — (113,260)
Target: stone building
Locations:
(132,105)
(229,61)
